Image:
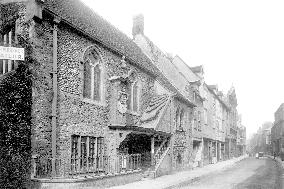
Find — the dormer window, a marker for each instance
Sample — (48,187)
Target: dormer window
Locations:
(92,76)
(7,38)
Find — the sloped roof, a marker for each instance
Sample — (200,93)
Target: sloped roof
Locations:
(176,80)
(185,69)
(153,113)
(84,19)
(78,15)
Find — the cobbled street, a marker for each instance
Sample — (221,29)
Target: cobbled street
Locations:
(250,173)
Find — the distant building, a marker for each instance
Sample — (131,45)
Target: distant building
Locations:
(231,135)
(277,131)
(261,141)
(241,137)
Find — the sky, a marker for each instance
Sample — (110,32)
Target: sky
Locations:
(239,43)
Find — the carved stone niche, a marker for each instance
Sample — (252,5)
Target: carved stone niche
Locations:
(119,96)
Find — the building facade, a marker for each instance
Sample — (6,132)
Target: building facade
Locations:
(99,103)
(241,137)
(231,135)
(277,131)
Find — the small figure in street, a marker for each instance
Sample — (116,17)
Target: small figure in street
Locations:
(274,154)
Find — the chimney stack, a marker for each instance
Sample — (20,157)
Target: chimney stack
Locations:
(138,25)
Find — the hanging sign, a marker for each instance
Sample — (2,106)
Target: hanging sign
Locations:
(12,53)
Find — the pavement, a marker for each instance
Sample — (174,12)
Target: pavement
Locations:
(278,159)
(173,180)
(250,173)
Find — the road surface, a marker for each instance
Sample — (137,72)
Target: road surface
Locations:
(250,173)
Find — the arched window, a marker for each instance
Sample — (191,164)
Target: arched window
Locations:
(132,90)
(92,76)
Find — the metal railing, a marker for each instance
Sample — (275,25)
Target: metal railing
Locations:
(86,167)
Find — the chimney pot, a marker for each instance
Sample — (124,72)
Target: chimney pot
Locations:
(138,25)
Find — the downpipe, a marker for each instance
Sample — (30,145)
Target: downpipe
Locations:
(55,94)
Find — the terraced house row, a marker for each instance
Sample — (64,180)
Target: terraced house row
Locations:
(88,102)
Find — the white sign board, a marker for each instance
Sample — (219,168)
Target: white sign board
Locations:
(12,53)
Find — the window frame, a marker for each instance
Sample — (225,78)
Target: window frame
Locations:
(130,106)
(81,164)
(100,65)
(8,38)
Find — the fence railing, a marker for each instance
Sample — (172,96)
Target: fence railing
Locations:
(85,167)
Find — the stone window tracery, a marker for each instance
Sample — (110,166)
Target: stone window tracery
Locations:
(92,76)
(133,91)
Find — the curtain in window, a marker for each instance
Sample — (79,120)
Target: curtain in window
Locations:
(129,96)
(83,153)
(177,119)
(87,80)
(135,97)
(100,154)
(92,147)
(92,76)
(181,119)
(97,83)
(74,153)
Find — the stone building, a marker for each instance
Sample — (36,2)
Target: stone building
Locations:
(99,105)
(195,78)
(261,141)
(277,131)
(231,134)
(218,118)
(241,137)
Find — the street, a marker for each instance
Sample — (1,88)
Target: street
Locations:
(250,173)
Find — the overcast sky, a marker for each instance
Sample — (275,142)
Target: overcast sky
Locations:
(238,42)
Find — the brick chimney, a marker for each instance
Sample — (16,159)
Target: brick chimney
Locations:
(138,25)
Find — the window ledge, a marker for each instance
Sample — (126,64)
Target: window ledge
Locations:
(89,101)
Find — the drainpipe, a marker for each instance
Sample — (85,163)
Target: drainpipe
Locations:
(54,99)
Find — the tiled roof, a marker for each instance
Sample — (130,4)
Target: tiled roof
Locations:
(191,76)
(176,81)
(77,14)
